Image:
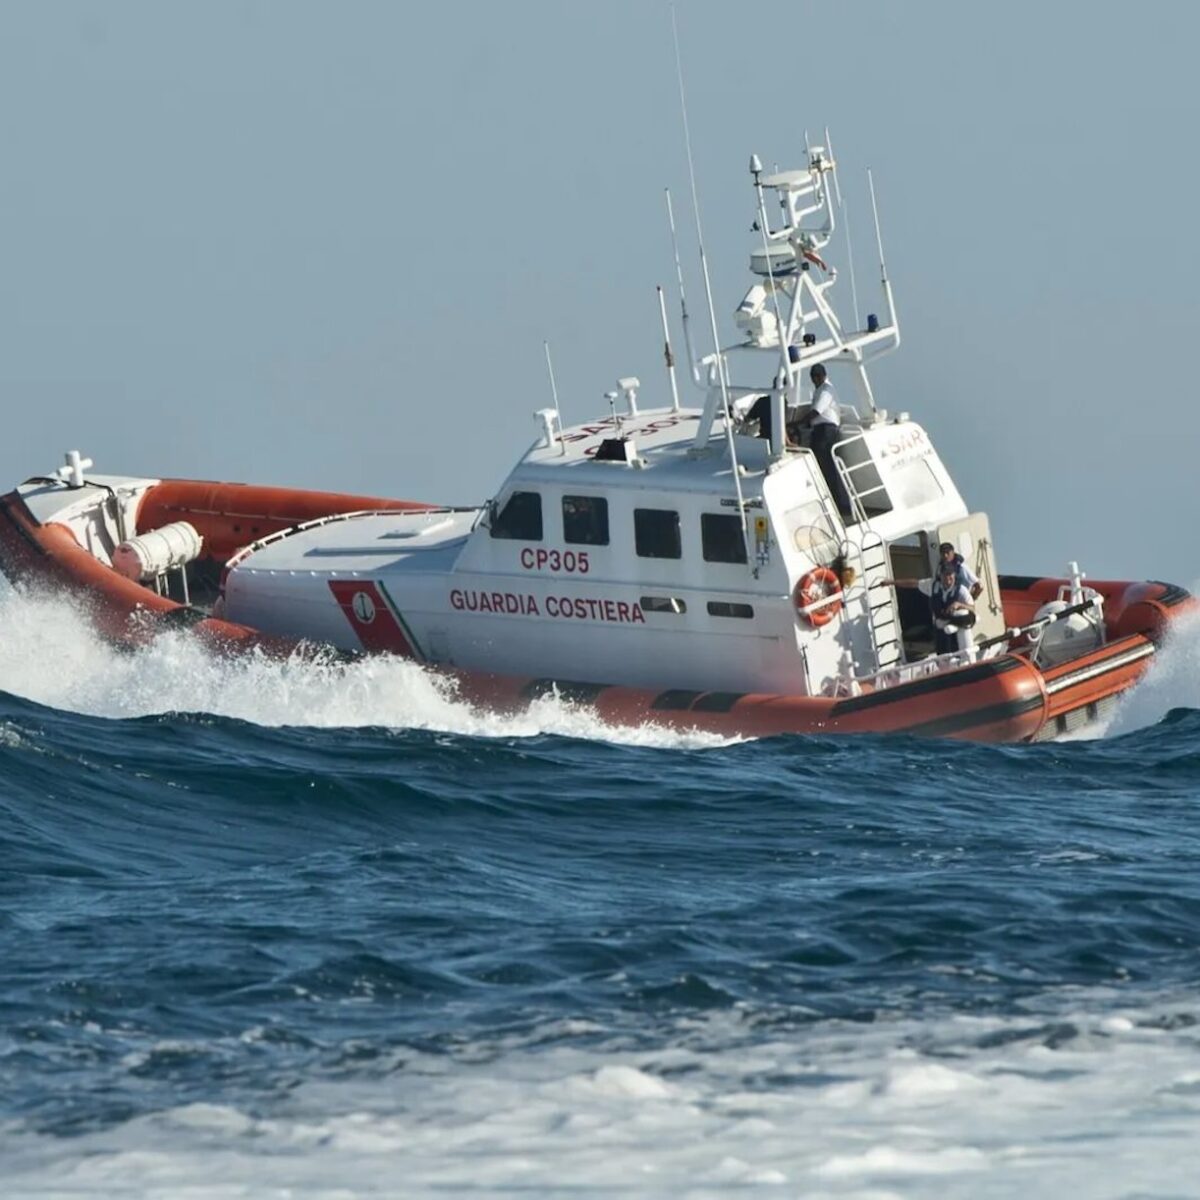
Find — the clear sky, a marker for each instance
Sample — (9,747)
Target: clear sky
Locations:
(321,244)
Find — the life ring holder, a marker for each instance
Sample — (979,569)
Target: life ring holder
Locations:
(817,597)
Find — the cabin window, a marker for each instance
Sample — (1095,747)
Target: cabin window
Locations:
(914,484)
(723,537)
(585,520)
(656,533)
(663,604)
(520,519)
(864,476)
(724,608)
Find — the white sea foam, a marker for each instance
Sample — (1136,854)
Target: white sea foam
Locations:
(1173,680)
(949,1107)
(49,653)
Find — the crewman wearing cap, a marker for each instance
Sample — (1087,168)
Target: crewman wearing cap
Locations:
(949,557)
(824,418)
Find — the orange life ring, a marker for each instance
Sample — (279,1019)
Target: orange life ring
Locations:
(819,583)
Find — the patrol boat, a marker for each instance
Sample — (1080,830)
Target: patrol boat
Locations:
(686,566)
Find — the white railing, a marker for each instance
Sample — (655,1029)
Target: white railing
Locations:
(935,664)
(291,530)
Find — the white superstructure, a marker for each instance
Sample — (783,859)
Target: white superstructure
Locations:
(665,545)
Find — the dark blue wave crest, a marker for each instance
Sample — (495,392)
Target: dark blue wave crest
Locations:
(192,903)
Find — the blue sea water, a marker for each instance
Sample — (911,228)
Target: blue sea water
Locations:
(303,930)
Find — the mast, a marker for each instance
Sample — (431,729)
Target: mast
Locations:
(778,394)
(788,313)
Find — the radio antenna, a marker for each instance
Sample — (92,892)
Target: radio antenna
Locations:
(841,203)
(683,309)
(850,262)
(670,358)
(712,311)
(611,397)
(884,282)
(878,234)
(554,392)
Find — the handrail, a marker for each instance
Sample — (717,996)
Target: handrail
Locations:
(281,534)
(854,494)
(867,462)
(899,673)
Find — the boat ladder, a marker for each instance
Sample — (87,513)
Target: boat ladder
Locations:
(882,621)
(882,618)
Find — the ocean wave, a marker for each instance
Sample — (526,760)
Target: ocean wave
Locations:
(1030,1103)
(257,914)
(51,654)
(1171,684)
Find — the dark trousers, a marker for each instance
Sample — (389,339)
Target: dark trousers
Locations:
(760,411)
(944,642)
(822,439)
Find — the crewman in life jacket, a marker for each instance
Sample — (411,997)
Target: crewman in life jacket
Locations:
(952,611)
(948,556)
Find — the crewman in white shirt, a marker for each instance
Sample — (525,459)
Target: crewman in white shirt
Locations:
(824,419)
(952,611)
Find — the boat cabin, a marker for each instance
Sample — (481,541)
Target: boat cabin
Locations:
(635,551)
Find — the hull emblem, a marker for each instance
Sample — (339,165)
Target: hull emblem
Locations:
(364,607)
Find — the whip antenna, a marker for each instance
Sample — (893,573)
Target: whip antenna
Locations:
(837,188)
(878,235)
(683,309)
(554,392)
(712,312)
(850,262)
(670,358)
(885,283)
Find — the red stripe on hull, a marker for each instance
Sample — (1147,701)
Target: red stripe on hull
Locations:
(370,617)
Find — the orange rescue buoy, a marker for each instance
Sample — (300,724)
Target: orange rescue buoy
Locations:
(817,585)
